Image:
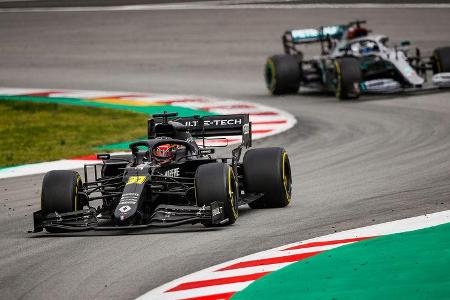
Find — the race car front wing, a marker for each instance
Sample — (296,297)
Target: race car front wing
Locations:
(163,216)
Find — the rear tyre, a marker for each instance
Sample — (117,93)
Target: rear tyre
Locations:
(60,193)
(282,74)
(267,170)
(216,182)
(348,77)
(441,60)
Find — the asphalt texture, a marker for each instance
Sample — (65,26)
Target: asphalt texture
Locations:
(91,3)
(354,163)
(80,3)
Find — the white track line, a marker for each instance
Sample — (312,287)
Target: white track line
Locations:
(227,5)
(214,272)
(237,272)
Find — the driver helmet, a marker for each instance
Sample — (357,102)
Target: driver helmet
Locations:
(164,153)
(368,47)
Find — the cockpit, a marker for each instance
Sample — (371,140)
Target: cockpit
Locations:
(364,47)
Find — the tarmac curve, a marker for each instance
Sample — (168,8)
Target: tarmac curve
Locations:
(354,164)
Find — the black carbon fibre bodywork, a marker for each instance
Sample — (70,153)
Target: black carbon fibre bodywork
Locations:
(137,191)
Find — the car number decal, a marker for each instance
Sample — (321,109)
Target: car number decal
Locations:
(136,179)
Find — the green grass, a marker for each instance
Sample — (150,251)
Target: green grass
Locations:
(36,132)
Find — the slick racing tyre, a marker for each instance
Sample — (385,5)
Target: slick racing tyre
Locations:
(348,77)
(60,193)
(441,60)
(267,171)
(216,182)
(282,74)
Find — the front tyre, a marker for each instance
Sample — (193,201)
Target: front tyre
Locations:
(60,193)
(441,60)
(217,182)
(282,74)
(348,78)
(268,171)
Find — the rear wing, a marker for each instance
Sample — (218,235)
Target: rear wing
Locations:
(304,36)
(326,36)
(211,126)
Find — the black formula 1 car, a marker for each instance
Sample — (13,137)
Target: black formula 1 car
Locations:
(168,180)
(353,61)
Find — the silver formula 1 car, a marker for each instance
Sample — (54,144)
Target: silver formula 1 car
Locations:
(353,61)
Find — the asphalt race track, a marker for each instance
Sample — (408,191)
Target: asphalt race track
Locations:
(354,163)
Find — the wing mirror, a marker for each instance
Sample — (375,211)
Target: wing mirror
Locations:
(206,151)
(215,142)
(104,156)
